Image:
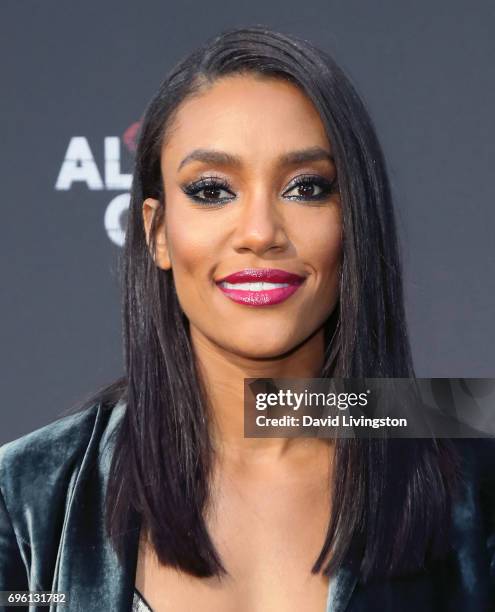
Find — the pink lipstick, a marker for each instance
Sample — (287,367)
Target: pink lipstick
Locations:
(260,286)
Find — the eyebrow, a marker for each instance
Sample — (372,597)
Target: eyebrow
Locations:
(212,156)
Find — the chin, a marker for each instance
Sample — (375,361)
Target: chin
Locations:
(259,348)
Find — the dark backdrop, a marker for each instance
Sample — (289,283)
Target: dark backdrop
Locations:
(81,74)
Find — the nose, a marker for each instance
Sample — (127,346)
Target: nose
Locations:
(260,226)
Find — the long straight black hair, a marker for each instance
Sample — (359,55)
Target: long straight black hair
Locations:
(162,460)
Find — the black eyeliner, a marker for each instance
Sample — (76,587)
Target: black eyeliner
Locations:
(221,184)
(214,182)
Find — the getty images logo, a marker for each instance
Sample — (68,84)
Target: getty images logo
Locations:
(79,165)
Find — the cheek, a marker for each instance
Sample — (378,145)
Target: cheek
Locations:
(190,248)
(323,250)
(327,245)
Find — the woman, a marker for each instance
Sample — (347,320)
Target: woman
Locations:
(260,243)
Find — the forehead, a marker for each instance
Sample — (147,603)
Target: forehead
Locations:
(248,115)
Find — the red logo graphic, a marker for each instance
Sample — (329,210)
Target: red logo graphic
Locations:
(130,136)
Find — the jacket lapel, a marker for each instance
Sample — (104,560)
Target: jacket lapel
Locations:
(341,587)
(87,567)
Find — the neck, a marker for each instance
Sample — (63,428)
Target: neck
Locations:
(223,375)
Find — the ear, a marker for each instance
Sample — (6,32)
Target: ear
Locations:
(150,208)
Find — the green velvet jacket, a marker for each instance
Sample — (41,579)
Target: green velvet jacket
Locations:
(52,485)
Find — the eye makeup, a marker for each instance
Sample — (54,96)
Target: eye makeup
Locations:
(213,185)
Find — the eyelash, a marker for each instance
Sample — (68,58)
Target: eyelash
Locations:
(218,183)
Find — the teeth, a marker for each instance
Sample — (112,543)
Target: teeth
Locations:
(253,286)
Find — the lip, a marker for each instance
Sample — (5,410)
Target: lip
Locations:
(260,297)
(267,275)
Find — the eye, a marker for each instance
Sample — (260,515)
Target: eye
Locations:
(310,187)
(211,187)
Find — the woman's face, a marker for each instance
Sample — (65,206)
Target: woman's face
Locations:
(232,167)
